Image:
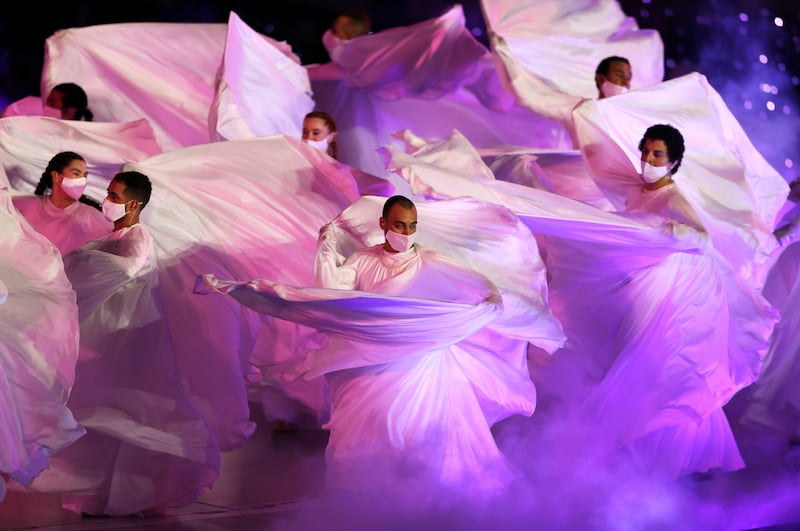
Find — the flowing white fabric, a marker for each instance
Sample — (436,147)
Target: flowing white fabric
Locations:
(421,365)
(38,349)
(546,51)
(162,72)
(67,228)
(27,144)
(431,77)
(239,209)
(146,446)
(734,191)
(263,90)
(652,311)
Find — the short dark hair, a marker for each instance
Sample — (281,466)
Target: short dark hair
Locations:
(401,200)
(605,64)
(671,137)
(359,21)
(137,186)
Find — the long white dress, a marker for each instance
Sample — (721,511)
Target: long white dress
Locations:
(426,359)
(38,349)
(68,228)
(146,446)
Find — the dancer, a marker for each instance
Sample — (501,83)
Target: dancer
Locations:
(71,101)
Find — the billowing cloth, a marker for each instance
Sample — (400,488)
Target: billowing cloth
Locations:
(652,311)
(263,90)
(452,85)
(438,55)
(162,72)
(732,188)
(146,446)
(67,228)
(546,51)
(27,143)
(421,366)
(774,400)
(239,209)
(38,349)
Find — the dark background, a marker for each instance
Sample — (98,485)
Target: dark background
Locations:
(748,49)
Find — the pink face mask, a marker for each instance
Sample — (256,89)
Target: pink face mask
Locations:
(400,242)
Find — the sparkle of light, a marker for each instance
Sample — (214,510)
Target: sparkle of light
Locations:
(771,105)
(743,17)
(788,163)
(779,22)
(763,59)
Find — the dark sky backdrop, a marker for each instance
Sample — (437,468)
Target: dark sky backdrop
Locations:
(749,49)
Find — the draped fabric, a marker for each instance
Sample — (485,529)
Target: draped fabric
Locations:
(146,446)
(546,51)
(38,348)
(445,80)
(774,401)
(262,90)
(27,144)
(424,355)
(734,191)
(224,208)
(162,72)
(67,228)
(665,332)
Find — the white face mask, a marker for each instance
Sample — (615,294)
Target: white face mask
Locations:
(400,242)
(113,211)
(74,187)
(319,145)
(651,174)
(51,112)
(330,41)
(610,89)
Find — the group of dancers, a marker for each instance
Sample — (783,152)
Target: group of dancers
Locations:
(404,246)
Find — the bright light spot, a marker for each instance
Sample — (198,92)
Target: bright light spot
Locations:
(762,59)
(779,22)
(748,105)
(771,105)
(764,88)
(774,89)
(743,17)
(788,163)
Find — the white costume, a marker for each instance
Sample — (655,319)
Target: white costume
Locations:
(421,365)
(38,349)
(68,228)
(146,446)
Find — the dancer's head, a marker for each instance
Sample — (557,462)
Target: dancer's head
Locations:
(612,76)
(128,194)
(399,223)
(65,175)
(319,131)
(71,100)
(351,24)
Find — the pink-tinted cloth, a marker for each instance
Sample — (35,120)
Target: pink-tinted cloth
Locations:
(428,357)
(262,90)
(239,209)
(735,193)
(146,446)
(38,348)
(27,143)
(162,72)
(546,51)
(652,311)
